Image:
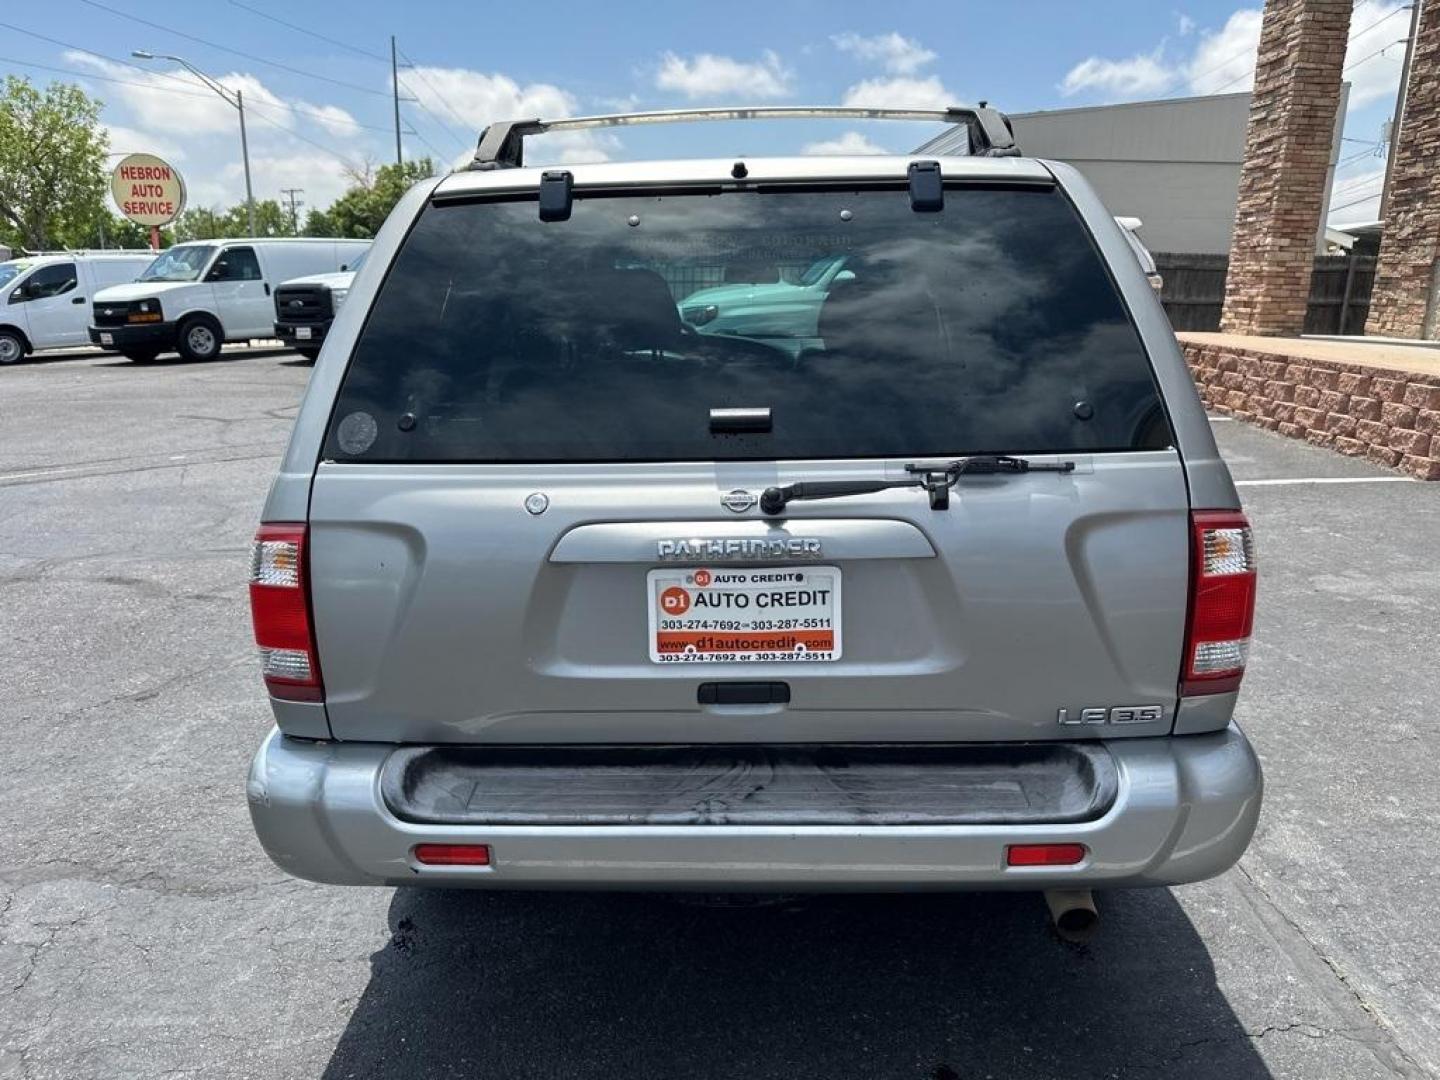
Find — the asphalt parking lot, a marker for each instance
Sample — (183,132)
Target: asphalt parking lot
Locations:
(144,934)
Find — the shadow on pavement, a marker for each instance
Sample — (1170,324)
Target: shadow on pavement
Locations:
(934,986)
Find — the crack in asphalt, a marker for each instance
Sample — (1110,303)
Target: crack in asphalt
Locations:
(1388,1040)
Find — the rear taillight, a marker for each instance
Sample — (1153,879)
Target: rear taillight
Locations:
(280,608)
(1222,602)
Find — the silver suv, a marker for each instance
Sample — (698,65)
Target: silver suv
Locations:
(943,585)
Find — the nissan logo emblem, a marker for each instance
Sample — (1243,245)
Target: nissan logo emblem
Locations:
(739,500)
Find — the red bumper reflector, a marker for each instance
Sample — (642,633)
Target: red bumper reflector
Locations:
(453,854)
(1044,854)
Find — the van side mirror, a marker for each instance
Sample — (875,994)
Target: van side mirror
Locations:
(344,267)
(18,295)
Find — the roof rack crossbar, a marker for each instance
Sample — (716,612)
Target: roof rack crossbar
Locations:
(501,144)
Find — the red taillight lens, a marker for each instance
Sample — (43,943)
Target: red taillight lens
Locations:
(453,854)
(1222,602)
(280,609)
(1044,854)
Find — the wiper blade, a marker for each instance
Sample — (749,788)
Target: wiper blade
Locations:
(988,464)
(937,480)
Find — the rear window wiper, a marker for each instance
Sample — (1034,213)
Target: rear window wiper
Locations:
(937,480)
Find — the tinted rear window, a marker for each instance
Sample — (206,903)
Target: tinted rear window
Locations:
(868,329)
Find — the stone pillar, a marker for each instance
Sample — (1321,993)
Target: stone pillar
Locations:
(1406,279)
(1287,155)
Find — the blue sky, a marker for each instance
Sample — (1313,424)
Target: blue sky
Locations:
(318,90)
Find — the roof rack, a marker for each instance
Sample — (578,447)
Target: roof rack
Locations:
(502,143)
(21,254)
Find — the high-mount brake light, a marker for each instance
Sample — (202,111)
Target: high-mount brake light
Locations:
(1222,602)
(280,610)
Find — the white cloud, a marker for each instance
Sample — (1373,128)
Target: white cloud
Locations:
(332,118)
(126,140)
(899,93)
(479,99)
(177,101)
(321,176)
(1186,24)
(851,142)
(714,77)
(1138,75)
(1357,197)
(1223,61)
(1377,78)
(896,54)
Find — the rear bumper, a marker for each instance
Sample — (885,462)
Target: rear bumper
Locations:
(141,334)
(1185,810)
(290,333)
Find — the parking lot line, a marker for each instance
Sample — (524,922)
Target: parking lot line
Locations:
(1288,481)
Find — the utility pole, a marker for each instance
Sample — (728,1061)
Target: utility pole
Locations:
(293,204)
(236,100)
(245,156)
(395,90)
(1415,6)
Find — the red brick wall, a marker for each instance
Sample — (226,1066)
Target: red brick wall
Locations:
(1287,153)
(1410,243)
(1390,417)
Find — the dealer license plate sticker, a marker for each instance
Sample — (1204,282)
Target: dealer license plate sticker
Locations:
(303,333)
(753,615)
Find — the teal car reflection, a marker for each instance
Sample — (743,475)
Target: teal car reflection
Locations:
(777,311)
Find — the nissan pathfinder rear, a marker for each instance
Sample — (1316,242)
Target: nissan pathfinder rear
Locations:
(936,581)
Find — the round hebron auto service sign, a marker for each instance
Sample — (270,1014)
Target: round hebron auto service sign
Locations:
(147,190)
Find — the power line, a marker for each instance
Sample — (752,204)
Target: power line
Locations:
(465,125)
(439,97)
(1371,56)
(1353,202)
(311,33)
(1251,70)
(237,52)
(1377,22)
(415,100)
(306,110)
(439,155)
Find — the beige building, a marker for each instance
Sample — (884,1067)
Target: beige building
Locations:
(1174,164)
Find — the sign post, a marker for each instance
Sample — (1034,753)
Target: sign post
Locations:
(148,191)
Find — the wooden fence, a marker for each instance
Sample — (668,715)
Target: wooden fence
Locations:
(1339,291)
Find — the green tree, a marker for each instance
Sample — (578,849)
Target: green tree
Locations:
(319,223)
(52,163)
(200,223)
(361,211)
(112,231)
(270,220)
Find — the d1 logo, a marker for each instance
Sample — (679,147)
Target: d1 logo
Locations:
(674,601)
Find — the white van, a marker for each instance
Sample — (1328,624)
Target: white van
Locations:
(196,296)
(45,299)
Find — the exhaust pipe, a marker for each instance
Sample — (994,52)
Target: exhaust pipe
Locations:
(1073,913)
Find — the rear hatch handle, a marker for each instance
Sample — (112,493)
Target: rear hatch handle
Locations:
(937,480)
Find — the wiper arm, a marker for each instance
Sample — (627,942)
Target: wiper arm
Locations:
(937,480)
